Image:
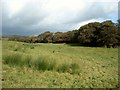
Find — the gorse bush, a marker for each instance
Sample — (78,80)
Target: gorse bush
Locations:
(94,34)
(41,63)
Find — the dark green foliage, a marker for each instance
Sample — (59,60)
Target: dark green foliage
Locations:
(99,34)
(86,34)
(95,34)
(108,34)
(20,38)
(74,37)
(58,37)
(45,37)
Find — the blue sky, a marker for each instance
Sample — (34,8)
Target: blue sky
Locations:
(29,17)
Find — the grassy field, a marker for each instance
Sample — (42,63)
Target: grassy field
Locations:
(58,65)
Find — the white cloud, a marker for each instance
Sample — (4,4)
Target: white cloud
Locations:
(35,16)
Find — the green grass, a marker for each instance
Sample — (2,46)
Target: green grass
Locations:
(12,60)
(58,65)
(75,68)
(41,63)
(64,68)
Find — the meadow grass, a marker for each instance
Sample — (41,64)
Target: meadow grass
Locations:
(58,65)
(63,67)
(41,63)
(13,60)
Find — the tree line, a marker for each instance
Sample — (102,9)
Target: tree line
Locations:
(95,34)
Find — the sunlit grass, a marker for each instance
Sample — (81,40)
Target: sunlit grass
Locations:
(58,65)
(41,63)
(13,60)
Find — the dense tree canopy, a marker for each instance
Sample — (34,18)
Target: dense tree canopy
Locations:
(95,34)
(99,34)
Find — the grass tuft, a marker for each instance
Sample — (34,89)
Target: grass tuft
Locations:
(63,67)
(52,65)
(13,60)
(75,68)
(27,62)
(15,49)
(72,68)
(32,47)
(41,63)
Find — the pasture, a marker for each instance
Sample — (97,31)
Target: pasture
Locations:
(58,65)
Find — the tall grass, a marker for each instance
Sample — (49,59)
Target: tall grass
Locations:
(75,68)
(27,61)
(63,67)
(13,60)
(72,68)
(41,63)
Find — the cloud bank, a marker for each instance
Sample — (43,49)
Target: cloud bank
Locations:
(27,17)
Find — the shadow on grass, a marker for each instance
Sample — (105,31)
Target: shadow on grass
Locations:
(77,44)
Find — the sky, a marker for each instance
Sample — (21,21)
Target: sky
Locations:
(31,17)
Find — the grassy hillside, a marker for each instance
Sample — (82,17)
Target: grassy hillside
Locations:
(58,65)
